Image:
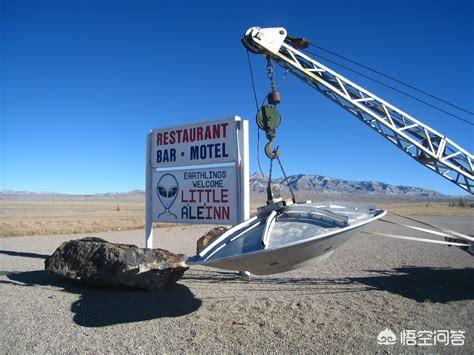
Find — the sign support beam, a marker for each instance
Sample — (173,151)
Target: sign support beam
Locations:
(148,195)
(244,200)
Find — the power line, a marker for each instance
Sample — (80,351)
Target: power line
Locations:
(390,87)
(392,78)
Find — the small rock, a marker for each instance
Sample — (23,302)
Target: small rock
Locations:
(209,237)
(96,261)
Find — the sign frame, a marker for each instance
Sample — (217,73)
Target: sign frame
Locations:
(239,161)
(231,138)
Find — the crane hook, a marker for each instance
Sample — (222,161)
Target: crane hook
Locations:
(270,152)
(268,119)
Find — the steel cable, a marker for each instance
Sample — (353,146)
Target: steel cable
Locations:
(392,78)
(257,106)
(390,87)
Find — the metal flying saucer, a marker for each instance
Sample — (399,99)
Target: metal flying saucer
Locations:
(287,238)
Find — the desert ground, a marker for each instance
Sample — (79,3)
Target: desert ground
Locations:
(369,284)
(22,215)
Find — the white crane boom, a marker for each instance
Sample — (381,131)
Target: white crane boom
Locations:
(424,144)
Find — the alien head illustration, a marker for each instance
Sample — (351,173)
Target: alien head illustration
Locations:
(167,190)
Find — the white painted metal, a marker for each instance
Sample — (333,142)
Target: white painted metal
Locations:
(434,232)
(424,144)
(243,170)
(416,239)
(267,231)
(241,227)
(465,242)
(148,196)
(292,237)
(451,233)
(272,37)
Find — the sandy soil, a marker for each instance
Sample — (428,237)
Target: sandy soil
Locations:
(369,284)
(46,215)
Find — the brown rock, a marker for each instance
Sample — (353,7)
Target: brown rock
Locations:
(98,262)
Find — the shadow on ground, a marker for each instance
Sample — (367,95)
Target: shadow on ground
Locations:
(99,307)
(421,284)
(424,284)
(23,254)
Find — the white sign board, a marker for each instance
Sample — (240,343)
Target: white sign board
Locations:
(197,144)
(207,193)
(198,195)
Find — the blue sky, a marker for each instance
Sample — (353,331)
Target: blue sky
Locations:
(82,82)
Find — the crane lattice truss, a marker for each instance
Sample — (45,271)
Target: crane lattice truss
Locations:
(418,140)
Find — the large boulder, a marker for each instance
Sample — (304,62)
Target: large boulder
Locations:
(98,262)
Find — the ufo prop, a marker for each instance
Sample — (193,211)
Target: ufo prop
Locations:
(286,238)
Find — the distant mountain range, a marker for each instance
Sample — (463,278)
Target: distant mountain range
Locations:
(322,185)
(308,184)
(27,193)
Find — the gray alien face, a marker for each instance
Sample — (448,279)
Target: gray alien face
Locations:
(167,190)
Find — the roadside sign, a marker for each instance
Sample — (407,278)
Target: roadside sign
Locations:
(195,144)
(196,195)
(197,174)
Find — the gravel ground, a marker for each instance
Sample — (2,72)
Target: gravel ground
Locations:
(369,284)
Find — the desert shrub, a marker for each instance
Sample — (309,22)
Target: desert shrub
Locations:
(462,202)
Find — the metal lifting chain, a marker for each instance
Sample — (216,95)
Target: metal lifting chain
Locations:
(286,179)
(271,74)
(268,117)
(269,186)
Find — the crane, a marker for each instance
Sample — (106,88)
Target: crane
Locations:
(418,140)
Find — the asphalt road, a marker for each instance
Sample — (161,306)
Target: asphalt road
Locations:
(368,285)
